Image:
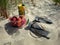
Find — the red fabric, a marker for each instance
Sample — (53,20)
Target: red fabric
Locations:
(13,21)
(20,21)
(23,21)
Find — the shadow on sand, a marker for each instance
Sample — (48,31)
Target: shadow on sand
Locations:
(9,29)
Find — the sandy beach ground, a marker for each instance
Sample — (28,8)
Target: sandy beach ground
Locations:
(22,37)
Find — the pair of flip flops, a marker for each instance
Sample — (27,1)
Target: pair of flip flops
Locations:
(40,31)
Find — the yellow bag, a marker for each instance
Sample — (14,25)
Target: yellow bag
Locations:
(21,9)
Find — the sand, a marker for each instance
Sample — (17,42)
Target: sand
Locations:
(22,36)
